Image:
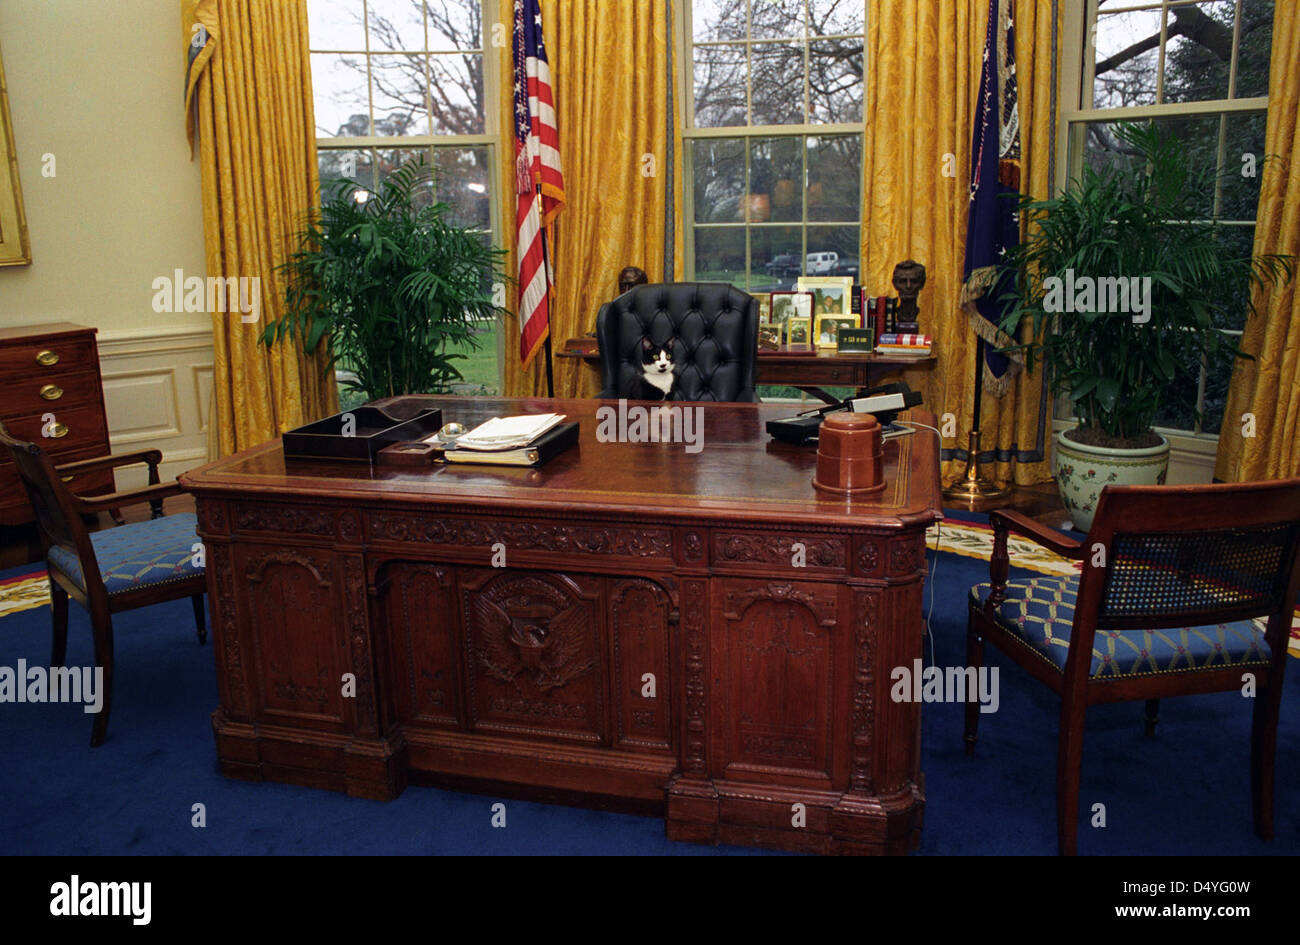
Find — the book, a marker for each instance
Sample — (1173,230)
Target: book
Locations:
(894,338)
(550,444)
(509,433)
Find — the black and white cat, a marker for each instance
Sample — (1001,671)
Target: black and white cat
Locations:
(656,379)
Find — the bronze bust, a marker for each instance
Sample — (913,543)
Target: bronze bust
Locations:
(909,279)
(629,277)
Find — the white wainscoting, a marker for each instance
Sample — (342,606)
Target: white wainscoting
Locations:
(157,388)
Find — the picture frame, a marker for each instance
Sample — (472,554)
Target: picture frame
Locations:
(856,340)
(832,295)
(769,336)
(799,334)
(15,250)
(764,306)
(828,327)
(787,305)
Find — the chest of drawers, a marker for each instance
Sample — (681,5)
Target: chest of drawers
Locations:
(52,395)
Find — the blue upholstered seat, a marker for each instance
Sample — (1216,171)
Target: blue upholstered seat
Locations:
(139,554)
(1040,613)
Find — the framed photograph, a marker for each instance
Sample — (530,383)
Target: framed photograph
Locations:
(799,332)
(14,249)
(788,305)
(828,329)
(831,295)
(769,337)
(764,306)
(856,340)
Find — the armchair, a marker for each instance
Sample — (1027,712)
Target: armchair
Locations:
(1173,583)
(121,568)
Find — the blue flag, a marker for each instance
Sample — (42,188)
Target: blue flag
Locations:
(994,224)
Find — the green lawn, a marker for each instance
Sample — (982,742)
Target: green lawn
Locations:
(479,370)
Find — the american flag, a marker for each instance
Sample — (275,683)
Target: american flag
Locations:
(538,178)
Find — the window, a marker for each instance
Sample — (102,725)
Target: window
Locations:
(394,78)
(1199,68)
(773,139)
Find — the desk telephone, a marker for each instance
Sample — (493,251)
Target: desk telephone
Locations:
(884,402)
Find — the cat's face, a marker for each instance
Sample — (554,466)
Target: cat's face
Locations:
(655,360)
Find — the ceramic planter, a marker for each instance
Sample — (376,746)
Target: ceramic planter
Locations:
(1083,471)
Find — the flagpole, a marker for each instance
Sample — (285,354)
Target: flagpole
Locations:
(550,310)
(973,486)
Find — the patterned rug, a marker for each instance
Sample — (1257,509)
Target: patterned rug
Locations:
(973,538)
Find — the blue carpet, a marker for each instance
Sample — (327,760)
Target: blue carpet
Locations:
(1186,791)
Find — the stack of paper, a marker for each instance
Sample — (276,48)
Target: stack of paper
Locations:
(509,433)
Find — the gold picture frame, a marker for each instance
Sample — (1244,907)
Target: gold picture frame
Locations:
(15,250)
(828,327)
(832,295)
(799,333)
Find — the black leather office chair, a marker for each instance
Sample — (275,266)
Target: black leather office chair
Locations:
(712,328)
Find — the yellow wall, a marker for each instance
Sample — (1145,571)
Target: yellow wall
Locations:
(98,84)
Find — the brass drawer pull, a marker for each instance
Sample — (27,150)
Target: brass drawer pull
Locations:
(67,478)
(59,430)
(46,358)
(51,391)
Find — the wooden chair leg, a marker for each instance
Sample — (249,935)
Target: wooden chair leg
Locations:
(59,619)
(1263,751)
(1151,716)
(1068,762)
(103,632)
(200,618)
(975,658)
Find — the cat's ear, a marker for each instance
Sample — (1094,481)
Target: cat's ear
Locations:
(646,345)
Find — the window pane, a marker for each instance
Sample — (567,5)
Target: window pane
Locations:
(1254,48)
(717,19)
(1128,55)
(338,86)
(777,83)
(457,89)
(720,254)
(388,160)
(775,169)
(842,241)
(1217,378)
(775,19)
(456,24)
(834,177)
(719,168)
(835,81)
(1199,135)
(1197,61)
(463,179)
(1243,165)
(1233,305)
(397,89)
(336,24)
(350,164)
(774,258)
(719,86)
(395,25)
(828,17)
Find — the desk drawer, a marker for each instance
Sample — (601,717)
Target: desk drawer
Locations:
(77,428)
(38,395)
(49,357)
(814,372)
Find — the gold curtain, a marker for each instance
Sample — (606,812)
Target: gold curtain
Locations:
(249,92)
(922,83)
(610,73)
(1269,386)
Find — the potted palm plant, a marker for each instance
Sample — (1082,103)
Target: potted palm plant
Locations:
(1124,285)
(390,284)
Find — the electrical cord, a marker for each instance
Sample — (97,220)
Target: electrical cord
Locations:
(938,542)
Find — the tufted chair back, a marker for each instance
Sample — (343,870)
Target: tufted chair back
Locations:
(710,327)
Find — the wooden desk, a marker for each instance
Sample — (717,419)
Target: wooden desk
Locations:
(700,634)
(809,371)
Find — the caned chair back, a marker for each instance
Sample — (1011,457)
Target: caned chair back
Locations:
(1191,556)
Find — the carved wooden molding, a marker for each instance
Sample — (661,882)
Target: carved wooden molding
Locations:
(868,558)
(822,608)
(354,589)
(277,518)
(220,565)
(867,609)
(693,546)
(212,516)
(625,541)
(256,568)
(776,548)
(694,602)
(349,528)
(905,555)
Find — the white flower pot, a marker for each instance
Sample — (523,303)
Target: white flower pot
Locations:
(1083,471)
